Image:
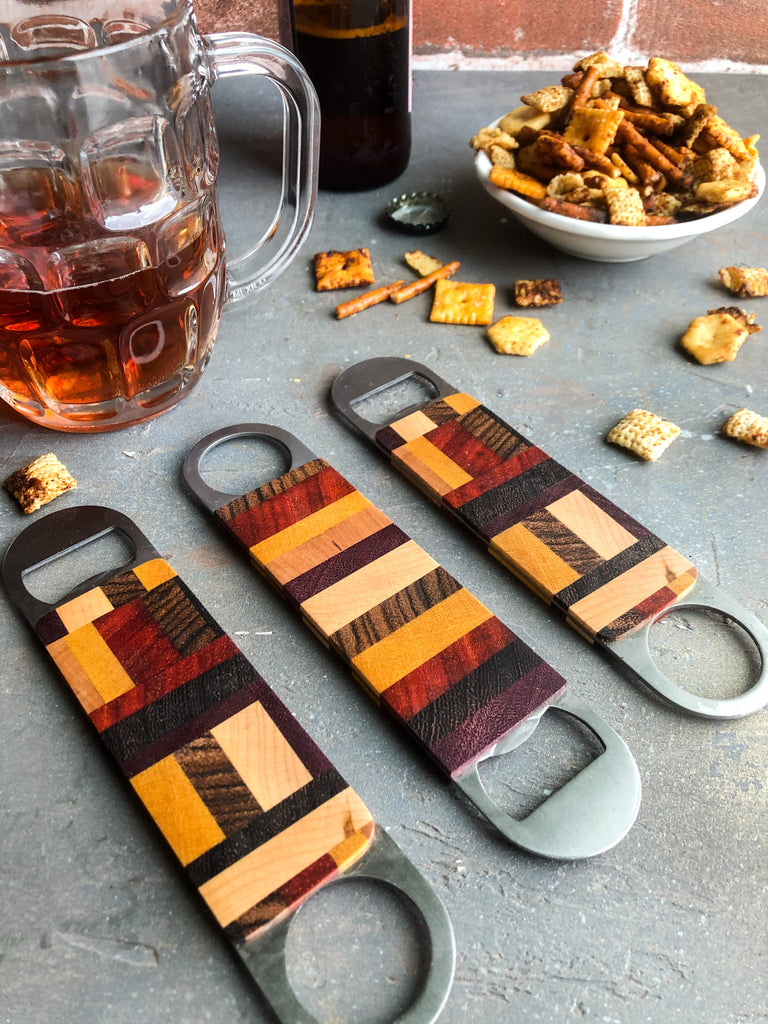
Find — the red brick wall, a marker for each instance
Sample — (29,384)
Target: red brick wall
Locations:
(548,33)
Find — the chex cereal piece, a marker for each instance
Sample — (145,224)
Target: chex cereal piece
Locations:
(728,190)
(39,482)
(749,427)
(625,206)
(746,282)
(714,338)
(609,67)
(644,433)
(351,269)
(517,335)
(549,99)
(457,302)
(538,292)
(421,263)
(593,129)
(638,86)
(492,136)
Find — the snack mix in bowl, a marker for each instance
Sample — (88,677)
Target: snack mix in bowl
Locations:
(623,146)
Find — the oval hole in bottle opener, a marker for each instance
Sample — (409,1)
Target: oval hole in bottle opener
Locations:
(254,811)
(514,498)
(441,664)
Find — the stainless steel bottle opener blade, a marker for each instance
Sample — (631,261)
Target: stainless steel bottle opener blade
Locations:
(448,671)
(258,824)
(525,507)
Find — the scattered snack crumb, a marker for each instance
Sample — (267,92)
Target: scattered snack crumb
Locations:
(749,427)
(39,482)
(538,292)
(457,302)
(517,335)
(714,338)
(421,263)
(644,433)
(351,269)
(746,282)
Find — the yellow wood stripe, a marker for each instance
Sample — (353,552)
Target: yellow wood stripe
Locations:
(420,639)
(77,678)
(335,539)
(180,814)
(633,586)
(413,425)
(83,609)
(684,583)
(461,403)
(353,847)
(532,557)
(445,468)
(425,477)
(99,663)
(362,590)
(594,526)
(310,526)
(242,885)
(154,572)
(261,755)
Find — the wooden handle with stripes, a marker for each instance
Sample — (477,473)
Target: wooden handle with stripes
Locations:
(252,808)
(426,649)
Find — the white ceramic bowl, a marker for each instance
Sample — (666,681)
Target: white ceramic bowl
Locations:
(611,243)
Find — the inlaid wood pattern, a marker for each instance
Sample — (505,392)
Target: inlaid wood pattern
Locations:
(572,546)
(432,655)
(248,803)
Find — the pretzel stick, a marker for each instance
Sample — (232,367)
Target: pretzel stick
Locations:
(417,287)
(596,161)
(585,87)
(573,210)
(648,152)
(365,300)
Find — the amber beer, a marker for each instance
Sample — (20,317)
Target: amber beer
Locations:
(358,56)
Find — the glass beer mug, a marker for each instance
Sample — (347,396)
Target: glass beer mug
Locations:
(112,255)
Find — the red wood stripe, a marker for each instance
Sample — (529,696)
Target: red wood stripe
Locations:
(275,514)
(424,684)
(137,640)
(512,467)
(466,450)
(155,686)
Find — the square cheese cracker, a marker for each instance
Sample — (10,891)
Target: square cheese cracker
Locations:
(644,433)
(457,302)
(350,269)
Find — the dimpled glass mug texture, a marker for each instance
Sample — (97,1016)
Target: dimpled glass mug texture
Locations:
(112,255)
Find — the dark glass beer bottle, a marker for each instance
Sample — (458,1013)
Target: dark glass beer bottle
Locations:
(358,55)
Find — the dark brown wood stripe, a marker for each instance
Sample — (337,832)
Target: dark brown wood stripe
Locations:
(618,515)
(266,826)
(515,499)
(396,611)
(181,616)
(246,502)
(563,542)
(171,712)
(124,588)
(494,432)
(365,551)
(218,783)
(440,412)
(609,571)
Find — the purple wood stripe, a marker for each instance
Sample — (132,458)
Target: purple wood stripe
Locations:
(494,720)
(630,525)
(365,551)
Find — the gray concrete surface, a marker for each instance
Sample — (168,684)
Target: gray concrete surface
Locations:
(98,925)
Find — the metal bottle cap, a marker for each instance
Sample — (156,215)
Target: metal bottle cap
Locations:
(417,213)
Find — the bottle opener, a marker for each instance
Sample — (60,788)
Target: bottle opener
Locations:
(252,808)
(611,577)
(452,674)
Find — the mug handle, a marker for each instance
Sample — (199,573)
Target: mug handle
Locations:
(244,53)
